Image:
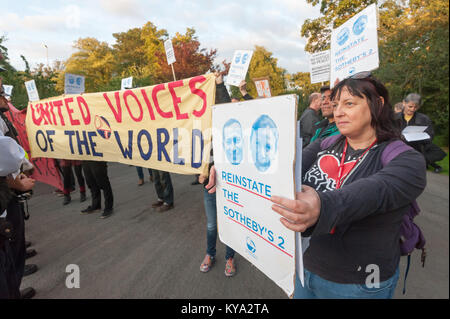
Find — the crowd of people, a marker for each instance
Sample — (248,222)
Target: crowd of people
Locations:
(352,215)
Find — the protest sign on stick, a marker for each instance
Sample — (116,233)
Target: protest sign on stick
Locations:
(8,89)
(32,91)
(170,55)
(165,126)
(126,83)
(254,153)
(319,67)
(354,45)
(263,87)
(73,84)
(239,66)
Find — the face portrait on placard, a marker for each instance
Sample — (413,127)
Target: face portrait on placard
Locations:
(233,141)
(264,142)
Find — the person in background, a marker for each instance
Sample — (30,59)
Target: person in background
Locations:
(243,90)
(164,190)
(140,172)
(398,107)
(66,168)
(410,116)
(209,199)
(326,127)
(309,117)
(96,173)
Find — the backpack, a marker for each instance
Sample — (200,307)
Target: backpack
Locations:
(411,235)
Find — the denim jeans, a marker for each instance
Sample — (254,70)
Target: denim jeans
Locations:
(319,288)
(140,172)
(211,225)
(163,186)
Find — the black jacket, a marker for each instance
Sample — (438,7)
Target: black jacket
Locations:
(366,211)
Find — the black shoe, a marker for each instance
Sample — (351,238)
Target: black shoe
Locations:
(67,199)
(27,244)
(27,293)
(30,269)
(82,197)
(106,213)
(164,208)
(438,169)
(30,253)
(90,210)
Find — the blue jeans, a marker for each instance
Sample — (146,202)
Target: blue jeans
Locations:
(319,288)
(211,225)
(140,172)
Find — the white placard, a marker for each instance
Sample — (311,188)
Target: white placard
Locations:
(169,51)
(262,87)
(127,83)
(415,133)
(354,45)
(319,66)
(8,89)
(254,152)
(73,84)
(239,66)
(32,91)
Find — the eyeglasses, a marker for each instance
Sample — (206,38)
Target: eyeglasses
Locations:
(361,75)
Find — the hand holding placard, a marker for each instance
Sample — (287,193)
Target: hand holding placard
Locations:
(301,213)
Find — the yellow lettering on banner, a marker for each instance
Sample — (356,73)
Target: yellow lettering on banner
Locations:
(165,126)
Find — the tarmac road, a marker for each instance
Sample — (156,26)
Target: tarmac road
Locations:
(140,253)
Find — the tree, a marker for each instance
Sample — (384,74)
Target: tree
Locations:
(94,60)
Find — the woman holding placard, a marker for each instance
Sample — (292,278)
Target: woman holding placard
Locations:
(352,203)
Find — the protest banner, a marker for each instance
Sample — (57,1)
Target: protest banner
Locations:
(319,66)
(165,126)
(254,153)
(354,45)
(239,66)
(262,87)
(127,83)
(32,91)
(45,169)
(8,89)
(73,84)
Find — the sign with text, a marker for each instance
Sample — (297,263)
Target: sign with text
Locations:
(8,89)
(127,83)
(45,169)
(319,66)
(73,84)
(32,91)
(263,87)
(165,126)
(239,66)
(354,45)
(170,54)
(254,153)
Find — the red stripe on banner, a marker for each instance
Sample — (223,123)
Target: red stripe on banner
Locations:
(260,237)
(234,203)
(248,191)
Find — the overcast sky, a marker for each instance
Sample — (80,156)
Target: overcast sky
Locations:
(225,25)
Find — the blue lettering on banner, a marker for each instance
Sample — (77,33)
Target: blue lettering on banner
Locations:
(46,138)
(127,152)
(70,134)
(145,156)
(197,135)
(93,144)
(176,159)
(162,144)
(82,142)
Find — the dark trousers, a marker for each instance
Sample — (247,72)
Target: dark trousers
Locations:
(96,174)
(163,186)
(68,178)
(12,253)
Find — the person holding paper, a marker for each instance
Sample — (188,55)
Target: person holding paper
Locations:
(352,204)
(410,117)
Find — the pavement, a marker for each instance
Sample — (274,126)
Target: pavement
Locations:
(141,253)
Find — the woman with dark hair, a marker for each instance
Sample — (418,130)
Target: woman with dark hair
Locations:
(351,204)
